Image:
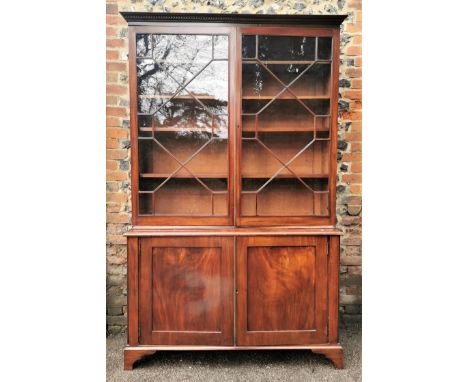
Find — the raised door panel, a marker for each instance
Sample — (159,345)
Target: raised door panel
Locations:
(282,290)
(186,291)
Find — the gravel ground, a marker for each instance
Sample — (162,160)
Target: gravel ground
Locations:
(277,365)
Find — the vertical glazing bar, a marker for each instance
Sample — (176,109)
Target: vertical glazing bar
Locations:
(212,203)
(256,46)
(256,126)
(256,204)
(316,49)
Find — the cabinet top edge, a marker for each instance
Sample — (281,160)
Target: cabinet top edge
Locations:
(231,231)
(137,18)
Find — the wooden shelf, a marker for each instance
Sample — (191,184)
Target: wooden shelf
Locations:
(184,175)
(287,175)
(283,129)
(178,130)
(169,96)
(285,62)
(287,97)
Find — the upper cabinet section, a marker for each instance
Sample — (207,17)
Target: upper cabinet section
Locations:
(232,125)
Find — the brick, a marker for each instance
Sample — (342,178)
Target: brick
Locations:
(356,40)
(112,143)
(354,115)
(116,66)
(112,54)
(112,9)
(114,310)
(358,62)
(352,178)
(116,320)
(113,122)
(356,84)
(119,197)
(350,300)
(354,50)
(352,157)
(116,260)
(117,218)
(356,167)
(116,89)
(116,175)
(116,154)
(354,28)
(116,132)
(355,189)
(111,32)
(115,20)
(117,239)
(115,43)
(354,72)
(111,165)
(113,208)
(351,241)
(112,100)
(355,270)
(351,260)
(119,280)
(354,251)
(111,77)
(356,146)
(352,94)
(355,4)
(358,15)
(350,220)
(116,111)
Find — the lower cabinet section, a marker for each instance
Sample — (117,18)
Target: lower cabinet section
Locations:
(233,292)
(186,291)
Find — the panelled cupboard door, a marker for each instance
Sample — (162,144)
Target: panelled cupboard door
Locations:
(281,290)
(186,291)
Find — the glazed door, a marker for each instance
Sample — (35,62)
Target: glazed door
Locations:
(186,291)
(182,146)
(281,290)
(287,117)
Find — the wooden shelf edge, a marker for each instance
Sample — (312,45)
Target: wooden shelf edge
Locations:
(225,176)
(289,98)
(232,231)
(183,176)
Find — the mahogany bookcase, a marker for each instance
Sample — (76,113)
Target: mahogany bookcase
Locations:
(233,169)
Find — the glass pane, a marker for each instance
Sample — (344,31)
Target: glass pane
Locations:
(285,126)
(182,83)
(286,48)
(324,48)
(248,46)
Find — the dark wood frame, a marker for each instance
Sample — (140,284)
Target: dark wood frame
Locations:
(241,230)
